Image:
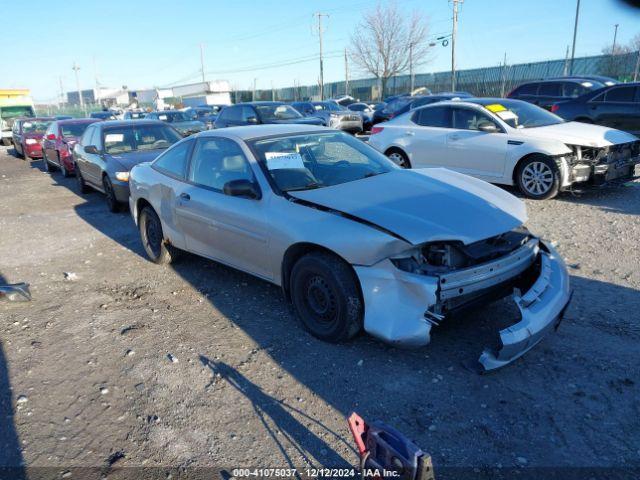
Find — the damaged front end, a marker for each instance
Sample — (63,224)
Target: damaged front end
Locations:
(602,165)
(408,295)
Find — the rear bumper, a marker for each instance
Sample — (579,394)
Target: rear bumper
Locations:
(33,151)
(399,306)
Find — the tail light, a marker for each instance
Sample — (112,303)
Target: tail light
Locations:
(555,107)
(375,130)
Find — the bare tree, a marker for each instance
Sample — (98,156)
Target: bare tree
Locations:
(386,42)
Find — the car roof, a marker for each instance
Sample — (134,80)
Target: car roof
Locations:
(126,123)
(248,132)
(260,103)
(71,121)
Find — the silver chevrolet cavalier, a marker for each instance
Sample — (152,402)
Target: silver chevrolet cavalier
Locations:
(354,241)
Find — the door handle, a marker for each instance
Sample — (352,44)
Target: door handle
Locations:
(410,133)
(185,196)
(454,137)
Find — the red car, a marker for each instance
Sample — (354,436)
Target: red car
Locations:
(58,142)
(27,135)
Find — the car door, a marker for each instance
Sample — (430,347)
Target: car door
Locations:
(473,151)
(16,132)
(619,108)
(226,228)
(93,162)
(425,136)
(78,149)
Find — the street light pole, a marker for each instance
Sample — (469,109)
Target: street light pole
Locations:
(575,32)
(75,68)
(411,82)
(202,61)
(454,33)
(320,15)
(615,37)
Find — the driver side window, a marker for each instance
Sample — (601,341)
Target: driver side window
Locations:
(217,161)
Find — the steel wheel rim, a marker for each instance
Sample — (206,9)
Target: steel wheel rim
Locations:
(109,192)
(537,178)
(154,235)
(398,159)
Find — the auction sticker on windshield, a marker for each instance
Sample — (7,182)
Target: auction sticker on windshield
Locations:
(283,161)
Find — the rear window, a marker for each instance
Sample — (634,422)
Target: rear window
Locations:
(550,89)
(527,89)
(73,129)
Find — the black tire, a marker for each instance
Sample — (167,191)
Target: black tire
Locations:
(112,202)
(156,248)
(47,167)
(326,298)
(63,169)
(538,177)
(82,186)
(398,157)
(19,154)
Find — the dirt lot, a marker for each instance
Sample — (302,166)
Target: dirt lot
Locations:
(197,365)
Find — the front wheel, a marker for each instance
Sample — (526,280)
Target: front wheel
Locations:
(152,238)
(538,177)
(326,297)
(82,186)
(112,202)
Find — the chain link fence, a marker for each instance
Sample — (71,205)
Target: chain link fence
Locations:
(486,82)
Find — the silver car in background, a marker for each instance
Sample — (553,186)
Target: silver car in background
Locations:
(338,117)
(354,241)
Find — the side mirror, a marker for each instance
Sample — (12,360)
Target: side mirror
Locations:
(51,136)
(92,149)
(488,127)
(252,120)
(242,188)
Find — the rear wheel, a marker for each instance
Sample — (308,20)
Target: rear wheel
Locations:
(326,297)
(398,157)
(19,151)
(47,166)
(538,177)
(152,238)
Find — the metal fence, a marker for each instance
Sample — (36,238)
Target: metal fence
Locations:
(488,81)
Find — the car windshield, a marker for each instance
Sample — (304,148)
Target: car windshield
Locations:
(140,137)
(35,126)
(13,112)
(73,129)
(308,161)
(519,114)
(277,112)
(330,106)
(171,117)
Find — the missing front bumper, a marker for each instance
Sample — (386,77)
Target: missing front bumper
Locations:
(396,302)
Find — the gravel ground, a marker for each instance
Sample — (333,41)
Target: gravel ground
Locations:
(129,364)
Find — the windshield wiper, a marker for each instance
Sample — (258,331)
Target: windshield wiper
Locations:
(310,186)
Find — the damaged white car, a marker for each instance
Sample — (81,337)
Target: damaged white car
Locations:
(355,241)
(509,142)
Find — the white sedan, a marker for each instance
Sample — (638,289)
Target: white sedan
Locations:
(508,142)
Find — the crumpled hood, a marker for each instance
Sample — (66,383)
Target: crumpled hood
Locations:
(425,205)
(303,121)
(576,133)
(131,159)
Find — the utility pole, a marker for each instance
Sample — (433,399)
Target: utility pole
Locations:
(346,73)
(637,69)
(504,75)
(253,95)
(575,32)
(615,36)
(95,79)
(411,81)
(202,61)
(320,15)
(454,33)
(565,70)
(75,68)
(61,91)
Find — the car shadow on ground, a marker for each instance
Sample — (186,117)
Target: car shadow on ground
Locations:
(11,461)
(293,432)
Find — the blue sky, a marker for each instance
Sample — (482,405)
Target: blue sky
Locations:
(146,43)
